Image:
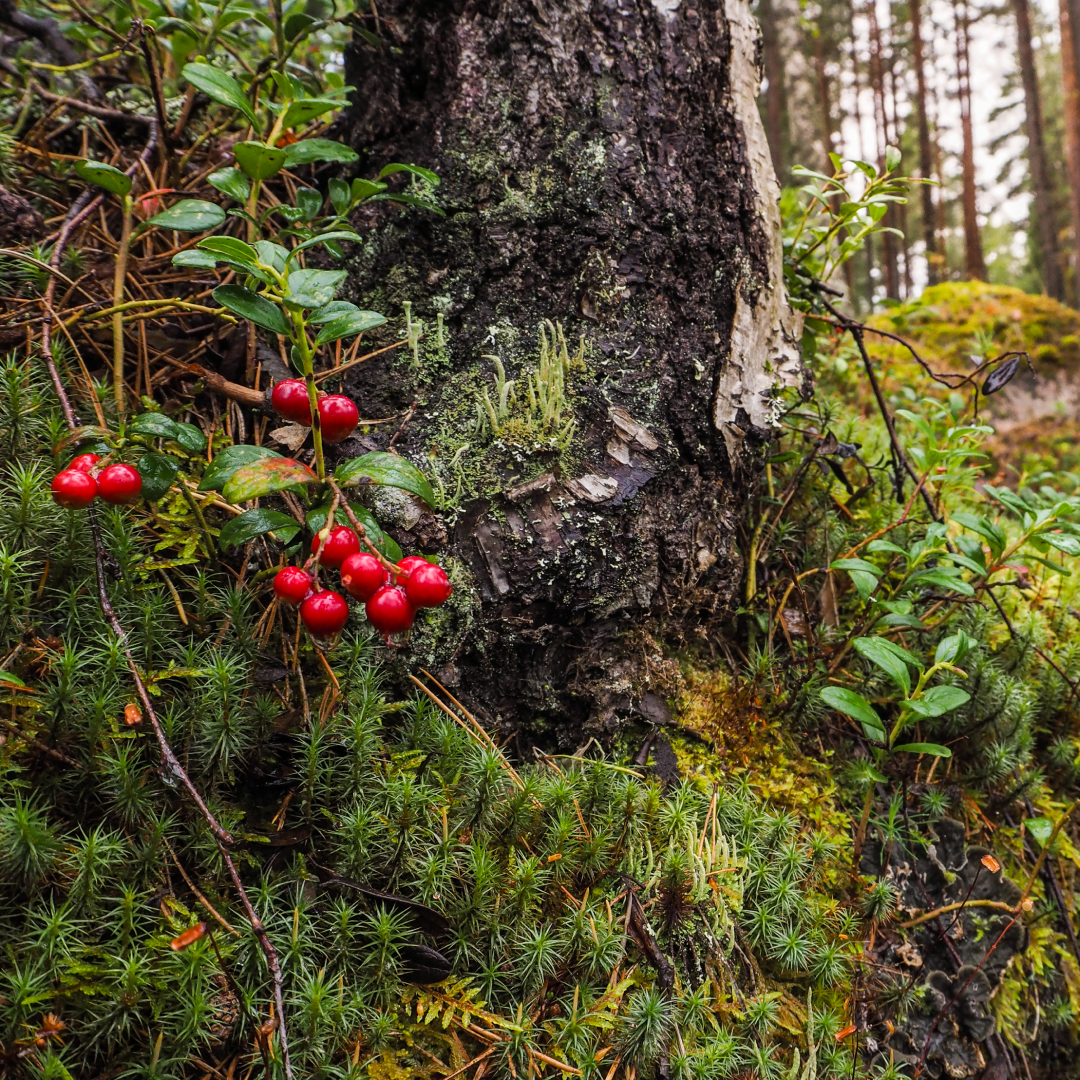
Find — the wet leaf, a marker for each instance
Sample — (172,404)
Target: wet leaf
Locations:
(158,472)
(190,215)
(349,325)
(263,477)
(258,160)
(104,176)
(228,461)
(306,151)
(258,522)
(935,749)
(380,467)
(221,87)
(251,306)
(231,182)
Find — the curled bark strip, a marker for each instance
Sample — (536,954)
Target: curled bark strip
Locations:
(170,762)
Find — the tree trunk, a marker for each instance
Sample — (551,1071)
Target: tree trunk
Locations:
(824,95)
(881,122)
(974,263)
(926,158)
(603,166)
(1043,208)
(775,90)
(1071,93)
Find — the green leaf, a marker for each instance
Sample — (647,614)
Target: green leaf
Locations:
(263,477)
(6,676)
(336,309)
(221,87)
(271,254)
(409,200)
(1069,545)
(892,158)
(201,260)
(155,424)
(190,437)
(231,182)
(228,461)
(313,288)
(984,527)
(251,306)
(355,322)
(936,749)
(362,189)
(941,576)
(339,195)
(158,472)
(416,170)
(380,467)
(308,203)
(300,112)
(857,707)
(938,700)
(1040,828)
(104,176)
(189,215)
(322,238)
(257,522)
(258,160)
(855,564)
(306,151)
(954,648)
(229,249)
(892,659)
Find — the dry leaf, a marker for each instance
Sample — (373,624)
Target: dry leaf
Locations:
(291,435)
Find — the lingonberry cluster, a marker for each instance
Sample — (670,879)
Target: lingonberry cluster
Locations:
(338,416)
(76,487)
(391,597)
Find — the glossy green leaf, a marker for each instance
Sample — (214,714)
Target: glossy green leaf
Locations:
(251,306)
(221,87)
(878,652)
(296,23)
(154,424)
(380,467)
(855,564)
(228,461)
(938,700)
(306,151)
(201,260)
(103,176)
(189,215)
(7,677)
(158,472)
(257,522)
(355,322)
(409,200)
(313,288)
(190,437)
(230,249)
(942,577)
(263,477)
(231,182)
(936,749)
(857,707)
(308,203)
(258,160)
(362,189)
(339,195)
(324,238)
(1069,545)
(307,109)
(1041,828)
(271,254)
(336,309)
(416,170)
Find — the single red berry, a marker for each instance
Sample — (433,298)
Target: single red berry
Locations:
(292,584)
(119,484)
(408,564)
(84,462)
(74,489)
(428,586)
(337,545)
(389,611)
(338,416)
(324,613)
(290,398)
(363,575)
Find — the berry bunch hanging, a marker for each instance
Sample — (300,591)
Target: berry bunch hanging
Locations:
(338,415)
(391,592)
(76,487)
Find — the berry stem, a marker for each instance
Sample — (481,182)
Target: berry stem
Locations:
(119,280)
(323,535)
(360,531)
(307,369)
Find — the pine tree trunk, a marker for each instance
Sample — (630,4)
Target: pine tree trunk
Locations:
(824,95)
(1071,89)
(603,166)
(974,264)
(877,83)
(1043,208)
(775,90)
(926,159)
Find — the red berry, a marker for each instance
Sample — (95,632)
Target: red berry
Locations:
(389,611)
(74,489)
(119,484)
(292,584)
(324,613)
(84,462)
(337,546)
(290,398)
(338,416)
(428,586)
(363,575)
(409,563)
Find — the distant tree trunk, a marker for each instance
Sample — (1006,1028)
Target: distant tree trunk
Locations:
(1071,88)
(974,263)
(899,210)
(824,96)
(856,110)
(603,166)
(926,159)
(775,88)
(1046,217)
(877,83)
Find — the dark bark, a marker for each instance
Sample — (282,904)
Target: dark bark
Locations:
(603,165)
(974,264)
(926,159)
(1042,199)
(1071,93)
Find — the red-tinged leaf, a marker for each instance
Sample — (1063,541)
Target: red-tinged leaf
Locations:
(263,477)
(189,937)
